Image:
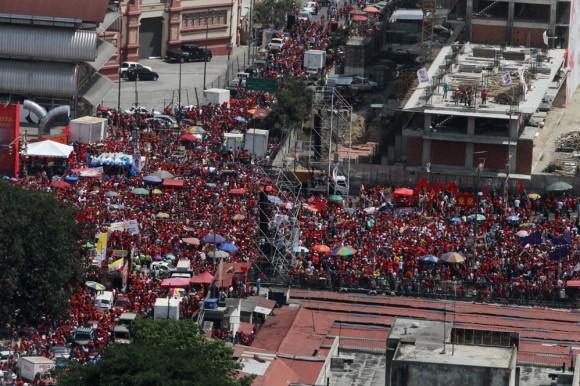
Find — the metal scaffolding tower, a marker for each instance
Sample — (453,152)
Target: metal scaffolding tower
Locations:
(429,8)
(277,234)
(332,128)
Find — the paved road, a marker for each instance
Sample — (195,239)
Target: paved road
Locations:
(157,94)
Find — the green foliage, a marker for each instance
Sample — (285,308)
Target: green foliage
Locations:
(272,12)
(163,352)
(293,106)
(38,254)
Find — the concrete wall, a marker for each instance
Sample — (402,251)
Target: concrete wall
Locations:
(421,374)
(488,34)
(524,157)
(414,151)
(495,158)
(528,37)
(398,175)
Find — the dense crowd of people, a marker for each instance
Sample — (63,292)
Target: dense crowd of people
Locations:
(388,244)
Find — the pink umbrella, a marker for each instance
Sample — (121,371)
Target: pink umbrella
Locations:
(359,18)
(191,240)
(237,192)
(371,9)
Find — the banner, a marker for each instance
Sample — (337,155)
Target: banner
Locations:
(131,226)
(466,200)
(506,79)
(120,252)
(9,139)
(521,75)
(573,52)
(101,249)
(423,75)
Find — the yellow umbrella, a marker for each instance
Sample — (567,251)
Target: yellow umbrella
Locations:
(163,215)
(534,196)
(157,191)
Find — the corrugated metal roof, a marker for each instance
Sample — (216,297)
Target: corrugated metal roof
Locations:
(54,44)
(93,10)
(37,78)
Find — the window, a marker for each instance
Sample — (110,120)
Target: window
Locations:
(201,19)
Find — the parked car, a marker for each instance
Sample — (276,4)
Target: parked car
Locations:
(140,73)
(129,65)
(310,10)
(60,352)
(355,83)
(139,109)
(83,335)
(189,53)
(304,15)
(276,44)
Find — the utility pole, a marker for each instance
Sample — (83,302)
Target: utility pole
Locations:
(250,31)
(179,96)
(206,37)
(119,95)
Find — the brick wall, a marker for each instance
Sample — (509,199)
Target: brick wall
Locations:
(524,157)
(448,153)
(495,158)
(414,151)
(520,37)
(488,34)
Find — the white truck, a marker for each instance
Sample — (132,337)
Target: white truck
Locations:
(314,61)
(104,300)
(29,367)
(256,142)
(88,129)
(166,308)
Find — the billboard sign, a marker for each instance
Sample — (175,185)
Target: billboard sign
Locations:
(573,79)
(9,139)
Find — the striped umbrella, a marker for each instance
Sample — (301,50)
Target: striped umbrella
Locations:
(343,251)
(477,217)
(94,285)
(429,259)
(191,240)
(453,258)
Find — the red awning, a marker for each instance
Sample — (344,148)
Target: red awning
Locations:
(573,284)
(202,278)
(180,282)
(174,183)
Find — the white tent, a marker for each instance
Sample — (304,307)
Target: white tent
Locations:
(48,148)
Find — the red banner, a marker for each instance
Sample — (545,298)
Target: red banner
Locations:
(9,139)
(466,200)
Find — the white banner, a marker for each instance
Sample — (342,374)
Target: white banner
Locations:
(506,79)
(423,75)
(521,75)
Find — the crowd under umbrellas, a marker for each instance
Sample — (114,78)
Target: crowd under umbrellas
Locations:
(192,200)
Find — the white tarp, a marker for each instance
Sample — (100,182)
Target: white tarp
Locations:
(48,148)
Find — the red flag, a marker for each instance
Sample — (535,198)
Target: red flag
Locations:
(422,184)
(520,186)
(452,187)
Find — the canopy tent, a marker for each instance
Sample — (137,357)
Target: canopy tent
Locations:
(202,278)
(178,282)
(404,192)
(48,148)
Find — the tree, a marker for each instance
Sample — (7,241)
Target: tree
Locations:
(272,12)
(293,106)
(163,352)
(39,257)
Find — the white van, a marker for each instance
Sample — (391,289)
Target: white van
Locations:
(104,300)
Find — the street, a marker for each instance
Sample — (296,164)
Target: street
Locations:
(157,94)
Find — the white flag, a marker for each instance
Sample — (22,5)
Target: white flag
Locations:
(521,72)
(545,37)
(506,79)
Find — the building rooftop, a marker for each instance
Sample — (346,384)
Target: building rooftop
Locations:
(475,67)
(420,330)
(456,355)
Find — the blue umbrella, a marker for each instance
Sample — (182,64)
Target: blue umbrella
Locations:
(152,179)
(170,256)
(275,200)
(240,119)
(429,259)
(228,247)
(478,217)
(71,179)
(213,239)
(455,220)
(514,218)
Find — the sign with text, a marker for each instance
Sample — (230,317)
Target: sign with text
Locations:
(261,84)
(9,139)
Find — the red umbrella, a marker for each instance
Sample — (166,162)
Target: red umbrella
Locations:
(356,12)
(404,192)
(60,185)
(202,278)
(359,18)
(320,248)
(237,192)
(188,137)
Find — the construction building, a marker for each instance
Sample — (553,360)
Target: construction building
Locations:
(51,53)
(474,110)
(521,22)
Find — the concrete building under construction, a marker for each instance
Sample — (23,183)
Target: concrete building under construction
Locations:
(474,110)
